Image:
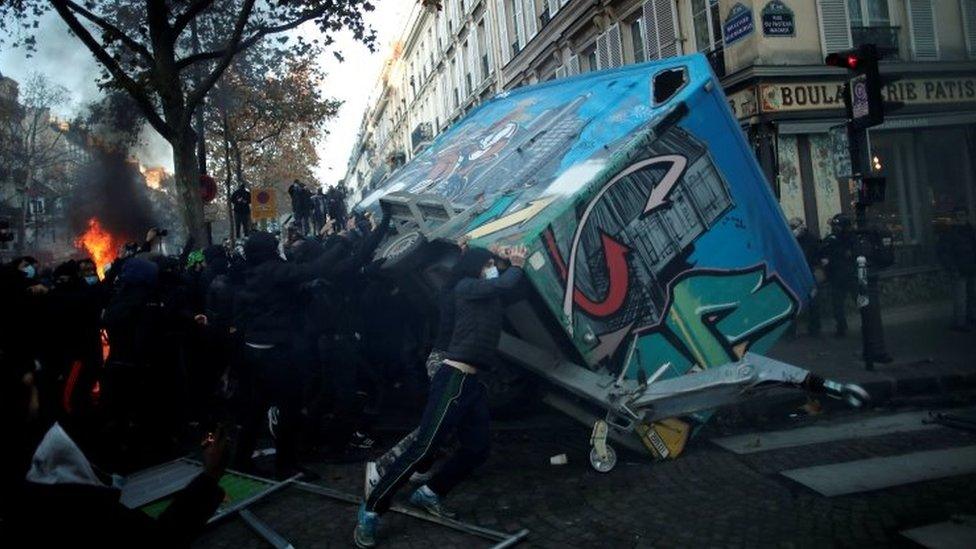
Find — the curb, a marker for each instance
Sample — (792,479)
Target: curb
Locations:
(782,402)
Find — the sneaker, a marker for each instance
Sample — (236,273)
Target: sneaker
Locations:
(372,479)
(425,499)
(421,478)
(366,523)
(273,420)
(360,440)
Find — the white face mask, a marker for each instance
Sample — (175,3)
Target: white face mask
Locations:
(491,272)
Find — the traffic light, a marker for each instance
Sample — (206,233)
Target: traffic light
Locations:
(863,90)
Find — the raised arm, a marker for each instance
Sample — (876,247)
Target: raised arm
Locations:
(471,288)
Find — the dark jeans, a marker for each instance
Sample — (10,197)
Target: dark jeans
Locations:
(458,404)
(838,300)
(343,365)
(242,223)
(270,378)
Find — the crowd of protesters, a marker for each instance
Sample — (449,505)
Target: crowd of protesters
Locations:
(277,340)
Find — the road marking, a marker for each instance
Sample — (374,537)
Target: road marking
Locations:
(875,473)
(816,434)
(950,534)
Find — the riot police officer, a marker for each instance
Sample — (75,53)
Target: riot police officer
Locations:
(840,267)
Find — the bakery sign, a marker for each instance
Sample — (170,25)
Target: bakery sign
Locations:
(806,96)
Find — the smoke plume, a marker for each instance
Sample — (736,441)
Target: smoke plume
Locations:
(112,189)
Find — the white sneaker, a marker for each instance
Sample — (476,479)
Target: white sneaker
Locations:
(372,479)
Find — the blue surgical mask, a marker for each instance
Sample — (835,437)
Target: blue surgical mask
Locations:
(29,271)
(491,272)
(91,280)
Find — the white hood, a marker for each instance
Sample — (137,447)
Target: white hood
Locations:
(58,460)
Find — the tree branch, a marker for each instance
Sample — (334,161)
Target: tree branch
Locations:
(197,95)
(247,42)
(195,9)
(126,81)
(112,29)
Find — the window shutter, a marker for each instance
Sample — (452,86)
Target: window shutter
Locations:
(502,21)
(531,23)
(602,52)
(667,28)
(561,72)
(553,8)
(921,26)
(574,65)
(835,26)
(968,9)
(649,25)
(615,46)
(519,24)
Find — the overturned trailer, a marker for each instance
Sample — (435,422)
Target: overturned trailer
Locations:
(660,266)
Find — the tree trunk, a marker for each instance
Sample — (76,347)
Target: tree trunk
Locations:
(188,184)
(227,175)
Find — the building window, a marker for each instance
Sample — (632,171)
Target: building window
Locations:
(36,207)
(708,33)
(871,24)
(590,56)
(482,38)
(875,10)
(637,40)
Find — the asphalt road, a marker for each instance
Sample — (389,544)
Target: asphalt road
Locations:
(711,496)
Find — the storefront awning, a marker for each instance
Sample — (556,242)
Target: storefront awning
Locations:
(823,125)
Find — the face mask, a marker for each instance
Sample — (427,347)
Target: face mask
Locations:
(29,271)
(91,280)
(491,272)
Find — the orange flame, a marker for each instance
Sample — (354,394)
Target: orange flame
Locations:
(101,245)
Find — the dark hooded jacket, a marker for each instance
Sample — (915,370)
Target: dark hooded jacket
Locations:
(478,310)
(268,309)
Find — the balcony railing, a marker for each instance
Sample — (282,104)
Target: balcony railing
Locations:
(885,38)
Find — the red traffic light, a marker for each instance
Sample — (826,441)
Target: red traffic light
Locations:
(844,60)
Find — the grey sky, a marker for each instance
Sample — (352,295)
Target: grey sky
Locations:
(67,62)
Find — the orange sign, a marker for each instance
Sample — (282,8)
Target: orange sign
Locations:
(264,204)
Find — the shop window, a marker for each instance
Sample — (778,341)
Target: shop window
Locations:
(707,25)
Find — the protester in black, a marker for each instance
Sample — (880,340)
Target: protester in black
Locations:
(267,313)
(68,501)
(838,261)
(320,209)
(241,201)
(457,401)
(956,248)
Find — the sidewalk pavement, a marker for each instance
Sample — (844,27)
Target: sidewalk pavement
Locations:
(929,359)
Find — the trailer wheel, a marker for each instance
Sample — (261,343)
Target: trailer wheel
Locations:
(606,463)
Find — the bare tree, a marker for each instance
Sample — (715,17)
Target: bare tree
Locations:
(144,48)
(33,145)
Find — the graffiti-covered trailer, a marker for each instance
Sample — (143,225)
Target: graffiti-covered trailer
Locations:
(660,263)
